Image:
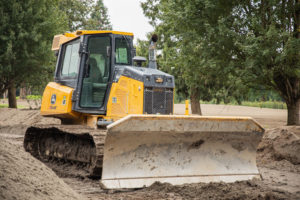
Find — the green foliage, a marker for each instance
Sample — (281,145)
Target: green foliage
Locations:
(6,106)
(99,19)
(142,47)
(222,48)
(3,106)
(260,104)
(195,47)
(266,104)
(271,46)
(34,97)
(262,95)
(85,14)
(26,33)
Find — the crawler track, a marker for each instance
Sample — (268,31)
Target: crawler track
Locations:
(69,143)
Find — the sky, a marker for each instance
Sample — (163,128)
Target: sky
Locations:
(127,16)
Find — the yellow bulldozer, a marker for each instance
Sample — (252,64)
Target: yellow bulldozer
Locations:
(117,120)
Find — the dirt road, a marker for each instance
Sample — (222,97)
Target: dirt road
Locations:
(277,159)
(269,118)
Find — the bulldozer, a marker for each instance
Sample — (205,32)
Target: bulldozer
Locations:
(117,120)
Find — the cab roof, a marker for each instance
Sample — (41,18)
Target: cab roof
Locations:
(85,32)
(63,38)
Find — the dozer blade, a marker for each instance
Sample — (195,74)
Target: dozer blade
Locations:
(142,149)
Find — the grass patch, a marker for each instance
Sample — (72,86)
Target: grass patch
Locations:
(29,97)
(34,97)
(266,104)
(18,106)
(260,104)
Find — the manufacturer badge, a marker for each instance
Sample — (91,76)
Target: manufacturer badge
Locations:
(53,99)
(64,100)
(114,99)
(159,80)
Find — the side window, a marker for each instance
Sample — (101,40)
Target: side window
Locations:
(123,51)
(71,60)
(121,55)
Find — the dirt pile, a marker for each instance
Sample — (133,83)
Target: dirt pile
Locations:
(23,177)
(242,190)
(16,121)
(280,149)
(238,190)
(10,116)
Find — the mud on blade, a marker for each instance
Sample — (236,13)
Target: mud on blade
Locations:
(142,149)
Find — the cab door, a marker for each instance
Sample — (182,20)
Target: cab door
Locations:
(95,75)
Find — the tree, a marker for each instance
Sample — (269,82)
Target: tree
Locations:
(26,32)
(225,43)
(85,14)
(142,48)
(76,12)
(99,19)
(271,49)
(195,55)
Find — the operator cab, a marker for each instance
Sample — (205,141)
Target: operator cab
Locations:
(86,63)
(92,61)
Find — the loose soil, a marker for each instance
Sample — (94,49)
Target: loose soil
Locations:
(23,177)
(277,160)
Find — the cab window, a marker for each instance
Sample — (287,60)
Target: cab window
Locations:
(70,60)
(122,51)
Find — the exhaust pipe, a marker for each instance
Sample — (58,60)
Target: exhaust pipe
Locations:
(152,52)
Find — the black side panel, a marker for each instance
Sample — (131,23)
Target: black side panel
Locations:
(148,103)
(169,100)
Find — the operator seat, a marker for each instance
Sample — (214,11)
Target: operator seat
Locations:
(98,93)
(95,73)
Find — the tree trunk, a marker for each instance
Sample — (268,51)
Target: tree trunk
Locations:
(5,94)
(239,102)
(293,113)
(12,100)
(195,102)
(23,91)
